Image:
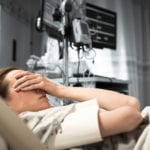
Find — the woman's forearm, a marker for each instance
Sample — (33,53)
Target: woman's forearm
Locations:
(107,99)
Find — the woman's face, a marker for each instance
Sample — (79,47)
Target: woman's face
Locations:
(21,101)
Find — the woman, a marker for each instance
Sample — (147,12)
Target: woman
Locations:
(25,91)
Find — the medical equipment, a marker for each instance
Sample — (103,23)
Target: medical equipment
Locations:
(81,32)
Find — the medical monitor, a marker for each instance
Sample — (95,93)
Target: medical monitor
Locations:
(101,21)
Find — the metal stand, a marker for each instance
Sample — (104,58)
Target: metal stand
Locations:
(65,33)
(65,61)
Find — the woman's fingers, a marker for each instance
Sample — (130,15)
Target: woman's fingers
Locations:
(22,73)
(31,87)
(23,79)
(28,81)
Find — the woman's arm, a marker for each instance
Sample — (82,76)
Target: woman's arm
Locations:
(107,99)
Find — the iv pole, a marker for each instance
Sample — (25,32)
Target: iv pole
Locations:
(66,7)
(65,52)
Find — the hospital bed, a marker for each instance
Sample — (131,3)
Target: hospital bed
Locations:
(16,133)
(19,137)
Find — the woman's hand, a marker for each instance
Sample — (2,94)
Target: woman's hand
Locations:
(29,81)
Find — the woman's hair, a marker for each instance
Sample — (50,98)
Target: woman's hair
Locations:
(3,83)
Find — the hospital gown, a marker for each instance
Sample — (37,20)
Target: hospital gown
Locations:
(65,126)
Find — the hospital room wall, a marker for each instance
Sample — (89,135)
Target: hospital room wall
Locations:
(146,52)
(13,30)
(122,62)
(131,60)
(136,20)
(18,37)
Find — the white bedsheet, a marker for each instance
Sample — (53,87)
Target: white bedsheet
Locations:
(143,142)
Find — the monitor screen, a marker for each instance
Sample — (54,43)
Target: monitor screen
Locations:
(49,6)
(52,27)
(101,21)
